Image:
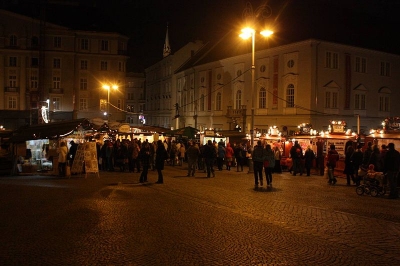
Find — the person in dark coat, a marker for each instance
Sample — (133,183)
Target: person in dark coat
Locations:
(332,158)
(144,156)
(392,162)
(357,161)
(72,152)
(210,155)
(309,157)
(161,156)
(348,164)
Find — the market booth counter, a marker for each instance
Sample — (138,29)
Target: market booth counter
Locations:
(35,147)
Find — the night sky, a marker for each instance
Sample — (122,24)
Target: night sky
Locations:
(367,23)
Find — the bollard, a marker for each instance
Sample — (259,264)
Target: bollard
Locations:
(251,166)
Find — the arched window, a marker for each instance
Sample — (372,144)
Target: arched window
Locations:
(218,102)
(238,99)
(202,103)
(262,98)
(290,95)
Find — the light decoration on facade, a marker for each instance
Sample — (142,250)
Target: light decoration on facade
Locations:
(44,111)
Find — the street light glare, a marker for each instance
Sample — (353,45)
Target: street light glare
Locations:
(115,87)
(266,33)
(106,87)
(246,33)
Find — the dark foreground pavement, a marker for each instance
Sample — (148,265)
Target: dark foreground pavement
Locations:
(114,220)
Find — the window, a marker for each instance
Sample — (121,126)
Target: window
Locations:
(56,103)
(12,102)
(262,68)
(218,102)
(56,63)
(57,42)
(56,82)
(103,65)
(34,62)
(35,41)
(84,44)
(238,73)
(119,103)
(239,99)
(332,60)
(103,105)
(384,103)
(290,63)
(262,98)
(13,40)
(331,99)
(83,105)
(131,96)
(104,45)
(361,65)
(12,81)
(290,95)
(385,69)
(84,64)
(83,84)
(202,102)
(359,101)
(13,61)
(121,66)
(34,82)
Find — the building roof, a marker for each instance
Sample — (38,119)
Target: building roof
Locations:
(50,130)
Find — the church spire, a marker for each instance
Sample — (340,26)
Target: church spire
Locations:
(167,48)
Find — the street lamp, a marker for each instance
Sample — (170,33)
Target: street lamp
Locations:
(247,33)
(108,88)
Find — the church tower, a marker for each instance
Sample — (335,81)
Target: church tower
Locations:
(167,47)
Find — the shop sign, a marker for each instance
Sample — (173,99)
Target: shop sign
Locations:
(209,133)
(124,129)
(98,121)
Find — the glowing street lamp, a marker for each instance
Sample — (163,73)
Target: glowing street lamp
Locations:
(108,88)
(247,33)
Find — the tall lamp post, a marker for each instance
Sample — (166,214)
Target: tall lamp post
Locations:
(108,88)
(247,33)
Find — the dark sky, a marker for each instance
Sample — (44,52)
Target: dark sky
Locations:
(367,23)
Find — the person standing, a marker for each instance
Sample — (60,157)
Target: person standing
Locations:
(220,156)
(258,156)
(269,164)
(182,152)
(193,153)
(348,165)
(239,157)
(296,154)
(309,157)
(277,154)
(144,156)
(357,161)
(161,156)
(72,152)
(228,156)
(332,158)
(209,157)
(392,162)
(62,159)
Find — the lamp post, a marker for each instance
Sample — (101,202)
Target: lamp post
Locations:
(108,88)
(247,33)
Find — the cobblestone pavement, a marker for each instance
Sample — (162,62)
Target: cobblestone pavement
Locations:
(114,220)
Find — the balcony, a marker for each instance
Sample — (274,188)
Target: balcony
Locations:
(56,90)
(236,113)
(11,89)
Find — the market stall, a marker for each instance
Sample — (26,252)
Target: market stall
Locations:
(35,147)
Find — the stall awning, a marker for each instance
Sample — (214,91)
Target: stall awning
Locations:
(50,130)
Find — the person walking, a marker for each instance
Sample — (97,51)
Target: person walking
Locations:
(209,157)
(332,158)
(192,153)
(309,157)
(296,154)
(392,162)
(348,165)
(269,164)
(258,156)
(62,159)
(220,156)
(161,156)
(144,156)
(182,152)
(228,156)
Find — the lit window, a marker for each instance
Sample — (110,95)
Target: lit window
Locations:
(239,99)
(218,102)
(262,98)
(290,95)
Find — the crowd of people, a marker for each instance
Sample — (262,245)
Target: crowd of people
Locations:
(137,156)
